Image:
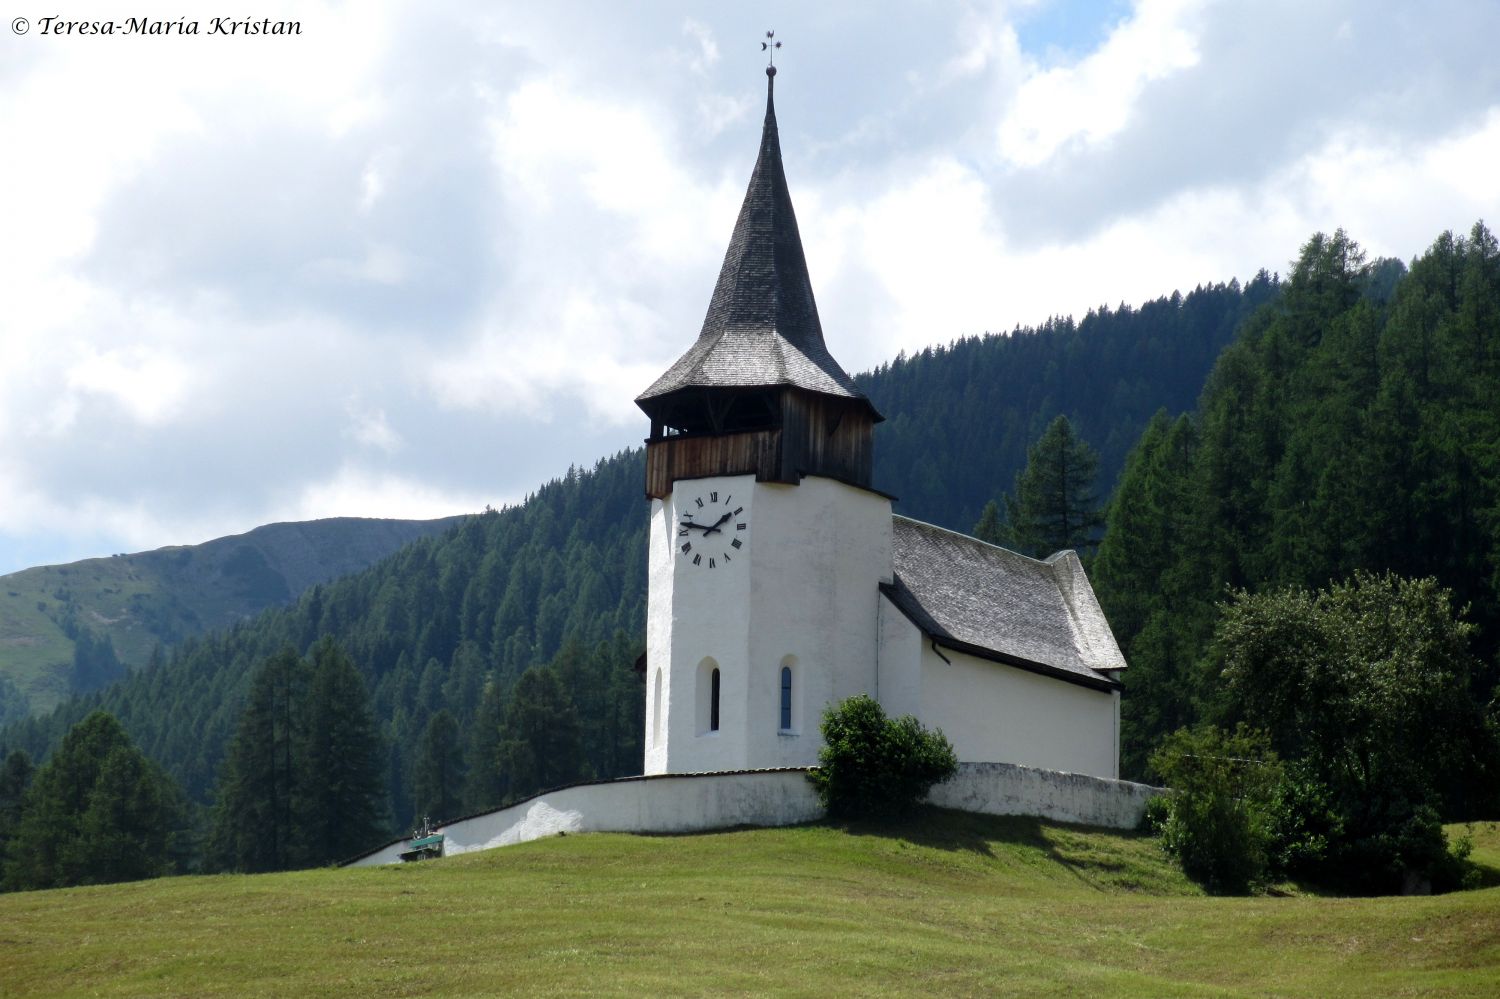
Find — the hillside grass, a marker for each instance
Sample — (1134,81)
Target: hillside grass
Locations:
(946,903)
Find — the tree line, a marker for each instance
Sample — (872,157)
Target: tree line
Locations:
(1350,427)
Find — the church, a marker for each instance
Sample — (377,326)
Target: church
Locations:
(781,581)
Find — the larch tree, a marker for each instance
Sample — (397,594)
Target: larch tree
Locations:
(254,827)
(1056,505)
(340,788)
(98,811)
(437,785)
(541,739)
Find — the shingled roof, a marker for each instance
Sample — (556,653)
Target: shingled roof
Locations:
(762,326)
(975,597)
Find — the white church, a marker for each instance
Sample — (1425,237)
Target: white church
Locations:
(780,581)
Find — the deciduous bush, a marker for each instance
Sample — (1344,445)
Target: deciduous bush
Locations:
(1367,687)
(1218,813)
(874,766)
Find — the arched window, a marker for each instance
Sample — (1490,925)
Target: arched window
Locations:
(656,710)
(789,697)
(713,701)
(706,695)
(786,698)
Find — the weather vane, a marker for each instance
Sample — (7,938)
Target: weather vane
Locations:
(769,46)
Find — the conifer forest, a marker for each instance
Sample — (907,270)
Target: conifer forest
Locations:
(1292,440)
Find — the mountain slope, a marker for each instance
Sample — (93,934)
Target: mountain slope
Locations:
(159,597)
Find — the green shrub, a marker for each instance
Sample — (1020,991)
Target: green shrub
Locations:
(874,766)
(1155,815)
(1219,818)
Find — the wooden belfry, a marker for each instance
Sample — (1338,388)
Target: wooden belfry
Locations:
(758,391)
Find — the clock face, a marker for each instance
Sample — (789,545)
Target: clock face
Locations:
(712,530)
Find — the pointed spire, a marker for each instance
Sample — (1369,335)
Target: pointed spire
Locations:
(762,326)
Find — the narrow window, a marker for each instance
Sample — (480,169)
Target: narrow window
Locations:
(713,701)
(656,710)
(705,698)
(786,698)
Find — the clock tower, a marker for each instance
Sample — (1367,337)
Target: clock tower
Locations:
(768,543)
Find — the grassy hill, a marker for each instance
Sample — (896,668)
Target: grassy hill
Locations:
(162,596)
(947,903)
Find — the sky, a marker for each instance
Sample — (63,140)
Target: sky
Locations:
(421,257)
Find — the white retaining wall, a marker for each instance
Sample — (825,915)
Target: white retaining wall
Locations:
(680,803)
(665,804)
(1008,789)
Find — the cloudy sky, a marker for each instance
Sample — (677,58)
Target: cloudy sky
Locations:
(422,257)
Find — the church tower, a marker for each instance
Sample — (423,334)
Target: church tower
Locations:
(768,544)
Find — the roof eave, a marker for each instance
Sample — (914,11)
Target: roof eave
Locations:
(1095,682)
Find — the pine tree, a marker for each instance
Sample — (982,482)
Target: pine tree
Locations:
(1055,506)
(438,781)
(340,782)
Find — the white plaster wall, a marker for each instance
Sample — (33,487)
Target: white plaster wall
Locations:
(898,685)
(822,551)
(672,804)
(809,588)
(694,612)
(700,802)
(1007,789)
(1001,714)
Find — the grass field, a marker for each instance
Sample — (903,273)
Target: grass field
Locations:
(945,904)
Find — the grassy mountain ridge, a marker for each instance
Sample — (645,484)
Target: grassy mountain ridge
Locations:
(140,600)
(943,903)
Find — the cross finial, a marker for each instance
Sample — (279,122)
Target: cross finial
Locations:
(769,46)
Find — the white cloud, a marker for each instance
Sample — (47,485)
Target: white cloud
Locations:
(370,427)
(357,492)
(149,386)
(438,249)
(1092,100)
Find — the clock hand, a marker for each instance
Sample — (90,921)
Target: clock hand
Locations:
(715,528)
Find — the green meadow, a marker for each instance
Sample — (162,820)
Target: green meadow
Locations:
(945,903)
